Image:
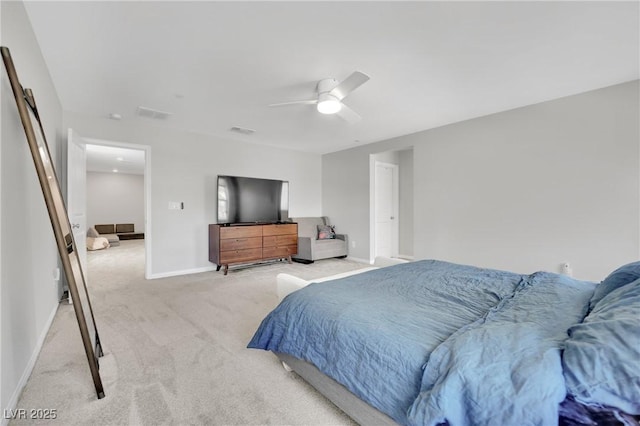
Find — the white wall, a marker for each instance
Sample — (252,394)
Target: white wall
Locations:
(406,202)
(522,190)
(28,292)
(115,198)
(184,168)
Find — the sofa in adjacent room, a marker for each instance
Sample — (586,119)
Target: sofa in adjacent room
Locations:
(317,240)
(105,231)
(115,232)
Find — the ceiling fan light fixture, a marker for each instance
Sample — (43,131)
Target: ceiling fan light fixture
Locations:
(328,104)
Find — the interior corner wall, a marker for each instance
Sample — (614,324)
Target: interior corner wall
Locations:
(115,198)
(406,203)
(522,190)
(28,291)
(184,168)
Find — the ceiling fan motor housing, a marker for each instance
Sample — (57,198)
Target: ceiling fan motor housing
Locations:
(328,103)
(326,85)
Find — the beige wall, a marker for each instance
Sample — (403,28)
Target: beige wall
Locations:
(522,190)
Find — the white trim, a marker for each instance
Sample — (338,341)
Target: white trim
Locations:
(406,256)
(395,243)
(148,273)
(147,213)
(181,272)
(29,368)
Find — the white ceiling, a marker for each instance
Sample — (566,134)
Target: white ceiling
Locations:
(215,65)
(110,159)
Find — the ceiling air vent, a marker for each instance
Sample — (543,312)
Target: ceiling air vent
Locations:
(242,130)
(152,113)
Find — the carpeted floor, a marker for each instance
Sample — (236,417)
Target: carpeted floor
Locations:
(175,350)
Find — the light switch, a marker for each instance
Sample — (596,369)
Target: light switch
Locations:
(174,205)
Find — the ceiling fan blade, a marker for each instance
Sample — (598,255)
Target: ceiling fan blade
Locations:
(349,84)
(348,114)
(309,102)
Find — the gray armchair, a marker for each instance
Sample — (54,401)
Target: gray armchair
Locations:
(310,248)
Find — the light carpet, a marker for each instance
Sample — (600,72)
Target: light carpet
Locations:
(175,350)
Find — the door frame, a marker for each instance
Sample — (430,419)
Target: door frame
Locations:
(74,138)
(395,237)
(147,192)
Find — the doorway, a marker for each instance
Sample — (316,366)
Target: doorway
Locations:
(386,190)
(88,155)
(391,204)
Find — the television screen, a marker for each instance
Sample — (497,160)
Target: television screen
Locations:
(252,200)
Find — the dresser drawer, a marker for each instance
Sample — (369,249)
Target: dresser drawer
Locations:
(240,255)
(240,243)
(284,251)
(227,232)
(251,243)
(283,229)
(280,240)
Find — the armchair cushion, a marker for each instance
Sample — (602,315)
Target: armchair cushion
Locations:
(308,226)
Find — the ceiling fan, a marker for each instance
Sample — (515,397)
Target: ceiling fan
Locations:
(330,96)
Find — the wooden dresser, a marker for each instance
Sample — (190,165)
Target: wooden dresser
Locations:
(233,244)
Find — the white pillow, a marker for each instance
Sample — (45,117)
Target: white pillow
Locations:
(97,243)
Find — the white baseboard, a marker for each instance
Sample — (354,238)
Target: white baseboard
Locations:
(13,401)
(406,256)
(182,272)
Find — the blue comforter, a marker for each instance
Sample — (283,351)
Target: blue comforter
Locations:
(374,333)
(506,367)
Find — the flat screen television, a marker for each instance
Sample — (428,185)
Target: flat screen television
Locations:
(252,200)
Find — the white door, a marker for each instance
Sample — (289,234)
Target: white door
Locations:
(386,209)
(77,193)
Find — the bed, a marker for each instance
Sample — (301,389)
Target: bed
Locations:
(432,342)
